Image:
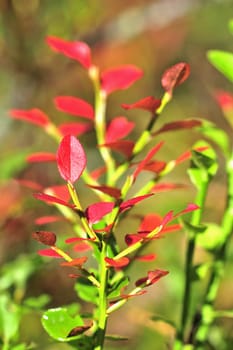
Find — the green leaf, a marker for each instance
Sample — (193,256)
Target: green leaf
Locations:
(37,302)
(203,165)
(58,323)
(200,271)
(231,26)
(224,313)
(193,230)
(212,238)
(115,337)
(217,135)
(86,290)
(117,287)
(223,61)
(20,347)
(10,317)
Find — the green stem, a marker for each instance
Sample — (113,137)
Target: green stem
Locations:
(196,220)
(102,314)
(207,310)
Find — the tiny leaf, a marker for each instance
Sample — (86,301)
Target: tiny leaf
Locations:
(45,237)
(175,76)
(149,104)
(117,263)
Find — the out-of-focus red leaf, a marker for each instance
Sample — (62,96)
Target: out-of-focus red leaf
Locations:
(96,173)
(77,239)
(95,212)
(74,106)
(41,157)
(111,191)
(43,220)
(49,252)
(175,76)
(179,125)
(75,129)
(132,201)
(150,222)
(147,159)
(34,116)
(76,50)
(45,237)
(118,128)
(190,207)
(59,191)
(155,166)
(30,184)
(52,200)
(105,229)
(133,238)
(147,257)
(119,78)
(148,103)
(82,247)
(75,262)
(117,263)
(168,186)
(188,154)
(151,278)
(225,100)
(71,158)
(122,146)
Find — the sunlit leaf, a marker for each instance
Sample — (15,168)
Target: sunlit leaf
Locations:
(95,212)
(132,201)
(86,290)
(51,199)
(117,263)
(223,61)
(41,157)
(34,116)
(74,106)
(151,278)
(49,252)
(71,158)
(118,128)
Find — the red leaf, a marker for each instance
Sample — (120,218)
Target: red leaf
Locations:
(76,50)
(49,252)
(175,76)
(148,257)
(147,158)
(162,187)
(77,239)
(152,277)
(30,184)
(122,146)
(45,237)
(52,200)
(71,158)
(150,222)
(75,129)
(190,207)
(131,239)
(34,116)
(148,103)
(119,78)
(131,202)
(59,191)
(82,247)
(155,166)
(75,262)
(97,211)
(225,100)
(179,125)
(188,154)
(117,262)
(43,220)
(74,106)
(118,128)
(111,191)
(95,174)
(41,157)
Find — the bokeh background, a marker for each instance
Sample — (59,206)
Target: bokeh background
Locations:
(153,35)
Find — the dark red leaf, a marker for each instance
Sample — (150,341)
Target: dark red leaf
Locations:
(71,158)
(151,278)
(119,78)
(49,252)
(75,129)
(122,146)
(117,263)
(34,116)
(147,159)
(179,125)
(111,191)
(75,262)
(131,202)
(175,76)
(97,211)
(76,50)
(41,157)
(148,103)
(45,237)
(74,106)
(43,220)
(118,128)
(52,200)
(131,239)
